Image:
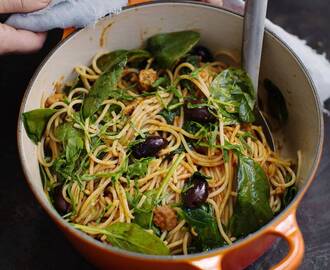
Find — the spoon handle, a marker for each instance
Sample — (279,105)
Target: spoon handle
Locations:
(253,35)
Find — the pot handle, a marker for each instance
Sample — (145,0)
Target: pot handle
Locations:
(69,31)
(290,231)
(287,229)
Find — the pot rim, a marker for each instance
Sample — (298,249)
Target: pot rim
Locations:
(291,208)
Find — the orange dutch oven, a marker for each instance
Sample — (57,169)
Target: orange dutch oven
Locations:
(219,28)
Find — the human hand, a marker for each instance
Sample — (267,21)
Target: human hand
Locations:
(16,40)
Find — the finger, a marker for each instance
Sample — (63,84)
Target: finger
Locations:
(19,41)
(10,6)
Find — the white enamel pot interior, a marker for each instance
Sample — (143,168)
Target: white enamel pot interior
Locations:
(219,29)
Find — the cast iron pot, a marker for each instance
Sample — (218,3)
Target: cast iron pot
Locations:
(219,28)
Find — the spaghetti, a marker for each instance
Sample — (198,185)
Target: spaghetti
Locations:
(109,185)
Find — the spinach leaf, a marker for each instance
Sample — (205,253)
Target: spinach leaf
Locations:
(195,61)
(233,94)
(276,102)
(46,183)
(229,146)
(174,90)
(73,144)
(138,168)
(104,86)
(114,175)
(169,115)
(171,111)
(35,122)
(193,127)
(252,209)
(205,131)
(144,214)
(72,139)
(169,48)
(120,94)
(131,237)
(161,81)
(109,60)
(204,223)
(138,55)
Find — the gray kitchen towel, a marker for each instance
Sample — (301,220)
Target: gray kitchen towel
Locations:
(65,13)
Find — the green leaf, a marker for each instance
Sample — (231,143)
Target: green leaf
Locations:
(171,111)
(144,214)
(138,55)
(131,237)
(36,121)
(252,209)
(138,168)
(276,102)
(109,60)
(104,87)
(204,223)
(193,59)
(114,175)
(174,90)
(169,48)
(193,127)
(169,115)
(46,183)
(175,164)
(120,94)
(233,95)
(72,139)
(161,81)
(73,144)
(229,146)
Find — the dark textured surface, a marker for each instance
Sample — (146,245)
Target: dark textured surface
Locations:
(29,240)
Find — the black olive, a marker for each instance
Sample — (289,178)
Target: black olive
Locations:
(60,204)
(197,191)
(204,53)
(201,149)
(150,147)
(199,114)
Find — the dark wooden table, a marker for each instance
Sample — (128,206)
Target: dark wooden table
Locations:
(29,240)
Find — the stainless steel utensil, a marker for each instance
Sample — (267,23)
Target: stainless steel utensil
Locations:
(253,36)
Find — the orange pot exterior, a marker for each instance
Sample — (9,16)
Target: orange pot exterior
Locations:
(236,257)
(233,258)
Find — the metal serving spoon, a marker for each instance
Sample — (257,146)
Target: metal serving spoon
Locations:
(253,35)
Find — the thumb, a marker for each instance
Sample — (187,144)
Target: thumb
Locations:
(19,41)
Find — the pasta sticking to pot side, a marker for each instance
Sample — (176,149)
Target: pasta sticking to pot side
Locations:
(154,150)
